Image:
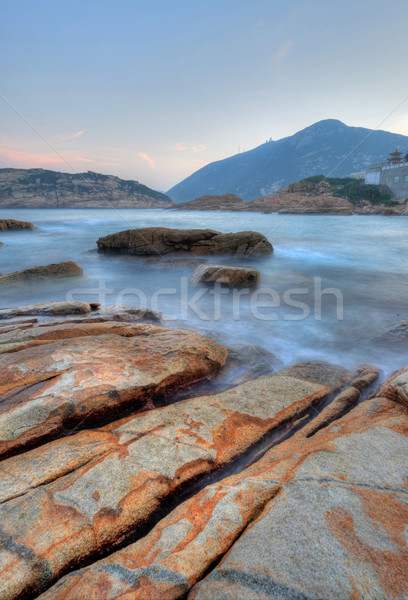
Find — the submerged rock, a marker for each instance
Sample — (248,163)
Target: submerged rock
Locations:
(165,263)
(394,337)
(11,224)
(161,241)
(231,276)
(38,274)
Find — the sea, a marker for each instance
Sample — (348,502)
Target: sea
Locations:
(330,291)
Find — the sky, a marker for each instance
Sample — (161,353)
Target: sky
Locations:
(153,90)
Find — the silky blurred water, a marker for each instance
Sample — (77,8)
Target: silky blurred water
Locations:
(362,259)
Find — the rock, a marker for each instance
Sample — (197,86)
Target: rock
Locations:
(45,333)
(40,188)
(75,513)
(38,274)
(220,202)
(48,309)
(394,337)
(231,276)
(246,362)
(11,224)
(16,326)
(298,202)
(129,314)
(80,374)
(320,372)
(396,387)
(313,518)
(161,241)
(335,525)
(365,378)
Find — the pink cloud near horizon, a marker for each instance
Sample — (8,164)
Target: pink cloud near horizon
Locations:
(27,160)
(20,159)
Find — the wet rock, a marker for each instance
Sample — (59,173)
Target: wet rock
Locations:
(128,314)
(11,224)
(48,309)
(320,372)
(155,455)
(313,518)
(365,378)
(90,373)
(396,387)
(226,275)
(161,241)
(246,362)
(16,325)
(44,334)
(38,274)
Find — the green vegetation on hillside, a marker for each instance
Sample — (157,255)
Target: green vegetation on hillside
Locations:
(354,190)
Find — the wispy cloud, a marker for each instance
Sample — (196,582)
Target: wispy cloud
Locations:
(62,137)
(181,147)
(89,160)
(147,158)
(76,135)
(283,51)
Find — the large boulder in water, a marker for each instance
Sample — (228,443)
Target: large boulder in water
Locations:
(160,241)
(34,274)
(12,224)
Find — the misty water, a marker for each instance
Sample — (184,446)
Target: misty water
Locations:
(332,284)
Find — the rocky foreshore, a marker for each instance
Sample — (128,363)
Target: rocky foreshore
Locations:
(290,485)
(300,197)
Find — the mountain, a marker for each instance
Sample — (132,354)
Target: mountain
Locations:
(38,188)
(328,147)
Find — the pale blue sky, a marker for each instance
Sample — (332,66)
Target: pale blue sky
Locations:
(153,90)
